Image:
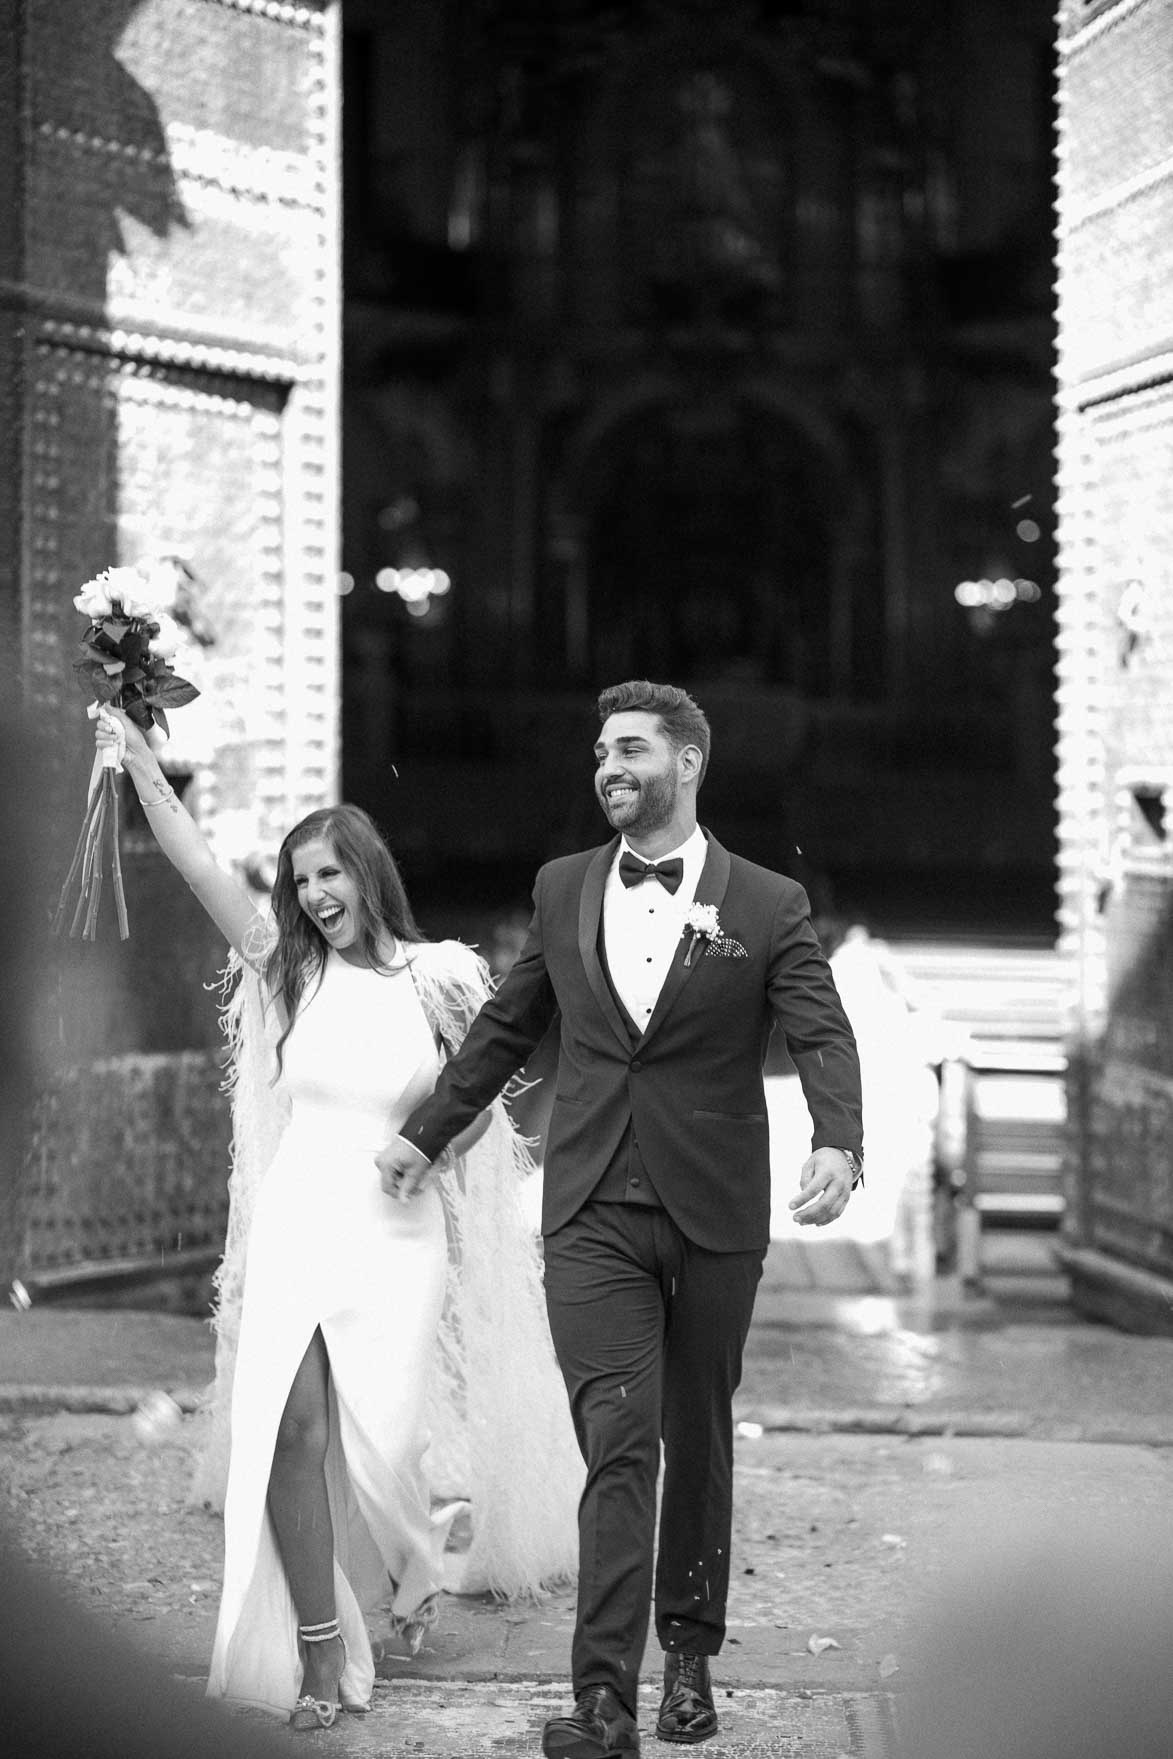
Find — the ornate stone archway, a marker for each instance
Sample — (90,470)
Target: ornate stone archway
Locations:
(706,534)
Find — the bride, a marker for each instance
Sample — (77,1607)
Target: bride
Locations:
(350,1325)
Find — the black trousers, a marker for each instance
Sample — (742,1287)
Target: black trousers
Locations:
(649,1331)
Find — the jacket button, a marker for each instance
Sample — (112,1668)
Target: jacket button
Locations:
(635,1063)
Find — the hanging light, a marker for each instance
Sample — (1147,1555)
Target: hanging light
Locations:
(415,586)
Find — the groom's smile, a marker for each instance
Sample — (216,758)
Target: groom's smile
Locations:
(639,806)
(637,780)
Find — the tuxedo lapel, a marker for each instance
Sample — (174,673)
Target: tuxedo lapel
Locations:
(590,911)
(711,888)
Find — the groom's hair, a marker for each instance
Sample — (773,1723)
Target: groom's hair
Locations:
(683,722)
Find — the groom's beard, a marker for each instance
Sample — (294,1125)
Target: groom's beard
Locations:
(652,808)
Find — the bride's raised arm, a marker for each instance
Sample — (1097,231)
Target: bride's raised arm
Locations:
(224,897)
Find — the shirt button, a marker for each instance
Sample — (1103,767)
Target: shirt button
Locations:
(635,1179)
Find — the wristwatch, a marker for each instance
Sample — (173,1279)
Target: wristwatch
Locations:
(855,1162)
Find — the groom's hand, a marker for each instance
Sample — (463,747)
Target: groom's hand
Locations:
(824,1187)
(402,1168)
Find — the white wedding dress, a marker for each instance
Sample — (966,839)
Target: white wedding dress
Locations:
(328,1249)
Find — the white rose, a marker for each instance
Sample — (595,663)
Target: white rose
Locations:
(166,644)
(93,600)
(125,586)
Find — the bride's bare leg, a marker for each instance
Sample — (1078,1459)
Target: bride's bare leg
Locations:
(301,1512)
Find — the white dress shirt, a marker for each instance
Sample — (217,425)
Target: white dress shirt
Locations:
(642,925)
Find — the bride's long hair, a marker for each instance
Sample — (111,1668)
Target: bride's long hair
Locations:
(299,956)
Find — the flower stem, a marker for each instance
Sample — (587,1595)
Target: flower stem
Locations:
(116,866)
(88,867)
(79,854)
(91,869)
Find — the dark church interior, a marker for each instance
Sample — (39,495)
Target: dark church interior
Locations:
(710,342)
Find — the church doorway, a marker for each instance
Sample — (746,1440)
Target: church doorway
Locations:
(709,550)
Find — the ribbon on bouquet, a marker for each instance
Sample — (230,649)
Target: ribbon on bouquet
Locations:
(87,867)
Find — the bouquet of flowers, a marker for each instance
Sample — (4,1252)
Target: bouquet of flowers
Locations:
(124,662)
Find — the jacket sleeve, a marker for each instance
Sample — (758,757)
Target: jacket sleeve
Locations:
(508,1027)
(818,1033)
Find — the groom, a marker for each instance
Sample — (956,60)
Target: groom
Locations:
(669,961)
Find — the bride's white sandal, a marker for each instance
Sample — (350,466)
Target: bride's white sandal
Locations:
(311,1713)
(412,1627)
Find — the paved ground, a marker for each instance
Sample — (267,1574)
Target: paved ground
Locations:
(880,1437)
(833,1346)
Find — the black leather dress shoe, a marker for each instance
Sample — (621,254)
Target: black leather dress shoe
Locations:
(599,1727)
(686,1709)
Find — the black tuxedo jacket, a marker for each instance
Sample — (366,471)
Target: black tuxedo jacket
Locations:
(691,1085)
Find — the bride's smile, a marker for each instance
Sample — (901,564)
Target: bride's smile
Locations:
(326,892)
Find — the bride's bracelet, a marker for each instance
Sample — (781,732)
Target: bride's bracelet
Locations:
(160,799)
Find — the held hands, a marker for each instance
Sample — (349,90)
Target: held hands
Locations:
(403,1169)
(824,1187)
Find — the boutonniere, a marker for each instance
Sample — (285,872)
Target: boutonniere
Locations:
(703,924)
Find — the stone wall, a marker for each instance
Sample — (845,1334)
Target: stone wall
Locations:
(1115,390)
(169,315)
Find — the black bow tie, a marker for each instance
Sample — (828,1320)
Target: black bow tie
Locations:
(632,870)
